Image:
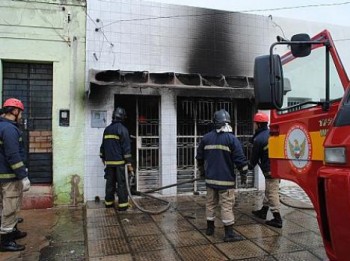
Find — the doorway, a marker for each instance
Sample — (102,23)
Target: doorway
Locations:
(32,84)
(143,125)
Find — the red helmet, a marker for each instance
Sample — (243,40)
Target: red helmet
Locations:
(261,117)
(13,102)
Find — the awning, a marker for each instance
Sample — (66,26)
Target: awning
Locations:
(144,79)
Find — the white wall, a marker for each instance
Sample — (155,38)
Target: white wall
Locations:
(156,37)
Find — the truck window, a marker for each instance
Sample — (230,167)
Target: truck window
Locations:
(307,80)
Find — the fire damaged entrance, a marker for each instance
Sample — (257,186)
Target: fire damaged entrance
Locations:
(194,119)
(143,125)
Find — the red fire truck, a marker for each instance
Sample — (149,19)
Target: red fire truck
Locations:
(307,91)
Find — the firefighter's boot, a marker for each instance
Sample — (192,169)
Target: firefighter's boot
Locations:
(261,213)
(9,244)
(231,236)
(17,234)
(276,221)
(210,228)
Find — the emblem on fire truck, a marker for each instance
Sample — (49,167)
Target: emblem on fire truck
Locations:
(297,148)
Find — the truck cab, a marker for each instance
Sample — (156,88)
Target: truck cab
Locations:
(307,91)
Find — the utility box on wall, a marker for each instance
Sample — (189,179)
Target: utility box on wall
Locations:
(64,118)
(98,119)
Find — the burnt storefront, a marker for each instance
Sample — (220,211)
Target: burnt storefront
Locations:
(167,114)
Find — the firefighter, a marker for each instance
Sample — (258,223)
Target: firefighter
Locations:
(13,174)
(19,219)
(115,152)
(260,156)
(217,155)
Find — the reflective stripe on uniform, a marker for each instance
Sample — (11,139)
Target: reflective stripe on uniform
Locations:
(123,205)
(127,156)
(17,165)
(217,147)
(108,203)
(220,182)
(117,162)
(266,147)
(111,137)
(7,175)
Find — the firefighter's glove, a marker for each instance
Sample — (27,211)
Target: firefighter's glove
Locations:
(130,169)
(201,172)
(243,179)
(250,166)
(25,184)
(243,173)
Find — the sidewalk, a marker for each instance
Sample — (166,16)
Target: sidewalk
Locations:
(96,233)
(53,234)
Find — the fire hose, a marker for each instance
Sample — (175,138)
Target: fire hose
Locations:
(147,193)
(130,180)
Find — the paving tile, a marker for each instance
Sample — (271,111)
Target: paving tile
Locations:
(241,249)
(125,257)
(175,225)
(102,221)
(134,218)
(98,233)
(276,244)
(320,252)
(187,238)
(107,247)
(297,256)
(202,252)
(157,255)
(101,212)
(307,239)
(148,243)
(255,231)
(289,227)
(141,229)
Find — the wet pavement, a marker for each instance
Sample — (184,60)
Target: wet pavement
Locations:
(96,233)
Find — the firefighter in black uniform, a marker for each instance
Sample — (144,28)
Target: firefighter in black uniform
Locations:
(217,155)
(13,174)
(115,152)
(260,156)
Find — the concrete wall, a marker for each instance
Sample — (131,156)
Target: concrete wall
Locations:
(54,31)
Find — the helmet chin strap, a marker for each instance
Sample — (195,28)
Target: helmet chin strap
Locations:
(16,115)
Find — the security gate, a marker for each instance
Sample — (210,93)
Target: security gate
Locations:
(194,119)
(147,143)
(32,84)
(143,125)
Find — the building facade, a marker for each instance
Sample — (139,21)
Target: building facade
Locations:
(42,62)
(73,61)
(171,67)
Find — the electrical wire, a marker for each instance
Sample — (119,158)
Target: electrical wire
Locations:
(228,12)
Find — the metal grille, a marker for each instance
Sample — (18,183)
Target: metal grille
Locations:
(147,143)
(194,119)
(32,84)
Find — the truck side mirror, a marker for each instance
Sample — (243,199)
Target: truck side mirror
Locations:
(268,82)
(287,87)
(300,50)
